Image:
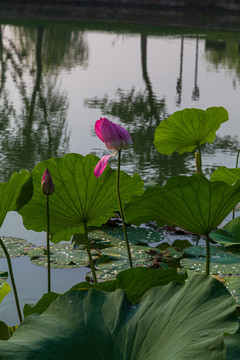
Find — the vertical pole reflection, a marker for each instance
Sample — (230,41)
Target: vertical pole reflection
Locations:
(196,92)
(179,80)
(151,97)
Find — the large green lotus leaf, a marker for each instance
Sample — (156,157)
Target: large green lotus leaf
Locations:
(222,262)
(232,343)
(229,234)
(186,129)
(79,196)
(135,281)
(191,202)
(15,193)
(232,283)
(229,176)
(41,305)
(91,324)
(15,246)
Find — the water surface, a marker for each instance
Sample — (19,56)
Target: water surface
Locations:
(58,78)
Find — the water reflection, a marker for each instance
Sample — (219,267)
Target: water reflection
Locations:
(33,124)
(196,91)
(36,111)
(179,79)
(223,53)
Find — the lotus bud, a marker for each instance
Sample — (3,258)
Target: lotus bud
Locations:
(114,136)
(47,184)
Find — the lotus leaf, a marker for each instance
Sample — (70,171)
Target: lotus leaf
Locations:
(222,262)
(232,283)
(135,282)
(188,128)
(229,234)
(6,331)
(229,176)
(15,246)
(79,196)
(191,202)
(61,256)
(92,324)
(137,236)
(41,305)
(15,193)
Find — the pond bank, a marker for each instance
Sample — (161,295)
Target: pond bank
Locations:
(229,5)
(173,13)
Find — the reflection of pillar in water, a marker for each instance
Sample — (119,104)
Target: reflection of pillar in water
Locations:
(196,93)
(179,80)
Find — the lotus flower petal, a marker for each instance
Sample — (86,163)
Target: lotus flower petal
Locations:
(98,129)
(101,165)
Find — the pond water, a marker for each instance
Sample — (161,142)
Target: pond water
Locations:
(58,78)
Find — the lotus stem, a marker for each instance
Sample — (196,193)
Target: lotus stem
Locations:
(12,280)
(237,158)
(48,247)
(121,210)
(199,167)
(233,212)
(197,162)
(89,253)
(207,255)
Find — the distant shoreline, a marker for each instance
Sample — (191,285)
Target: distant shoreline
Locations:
(201,14)
(224,5)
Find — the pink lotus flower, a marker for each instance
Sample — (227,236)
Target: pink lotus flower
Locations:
(47,184)
(114,136)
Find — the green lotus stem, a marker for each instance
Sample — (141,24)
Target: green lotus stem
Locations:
(207,254)
(89,253)
(233,211)
(48,247)
(199,160)
(12,280)
(237,158)
(121,210)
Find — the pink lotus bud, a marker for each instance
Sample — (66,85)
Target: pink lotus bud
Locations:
(47,184)
(114,136)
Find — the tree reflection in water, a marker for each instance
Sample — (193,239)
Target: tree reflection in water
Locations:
(33,125)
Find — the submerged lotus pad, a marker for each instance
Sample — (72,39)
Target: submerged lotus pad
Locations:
(92,324)
(61,256)
(15,246)
(222,262)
